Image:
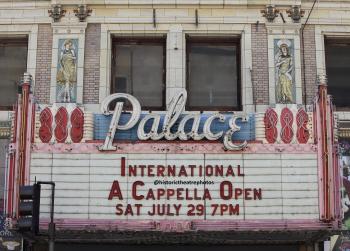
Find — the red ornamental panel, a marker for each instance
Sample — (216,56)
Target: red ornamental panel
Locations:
(286,125)
(45,130)
(303,133)
(77,122)
(270,121)
(61,119)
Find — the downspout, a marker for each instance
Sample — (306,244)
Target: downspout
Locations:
(303,49)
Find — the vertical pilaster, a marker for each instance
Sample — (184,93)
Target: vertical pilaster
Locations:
(175,62)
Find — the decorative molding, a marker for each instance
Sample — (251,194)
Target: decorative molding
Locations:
(199,225)
(61,121)
(287,120)
(270,121)
(69,28)
(283,28)
(173,147)
(77,122)
(45,130)
(62,124)
(88,126)
(281,127)
(5,129)
(302,120)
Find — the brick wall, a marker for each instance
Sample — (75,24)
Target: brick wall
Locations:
(43,64)
(260,73)
(92,64)
(310,64)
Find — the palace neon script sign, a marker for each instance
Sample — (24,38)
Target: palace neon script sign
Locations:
(176,108)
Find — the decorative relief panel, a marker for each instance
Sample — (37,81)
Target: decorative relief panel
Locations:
(77,122)
(286,125)
(67,66)
(284,71)
(61,121)
(270,121)
(284,53)
(63,124)
(302,119)
(66,88)
(287,120)
(45,130)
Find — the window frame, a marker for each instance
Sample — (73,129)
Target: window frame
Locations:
(215,40)
(12,41)
(335,40)
(140,40)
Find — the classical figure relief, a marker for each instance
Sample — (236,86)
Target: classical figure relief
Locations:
(67,71)
(284,68)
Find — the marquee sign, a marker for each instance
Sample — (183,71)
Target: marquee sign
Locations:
(182,190)
(191,186)
(165,131)
(142,182)
(132,167)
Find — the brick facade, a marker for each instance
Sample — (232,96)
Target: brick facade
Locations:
(310,64)
(92,64)
(43,64)
(260,72)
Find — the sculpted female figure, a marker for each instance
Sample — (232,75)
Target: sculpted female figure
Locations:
(284,67)
(66,75)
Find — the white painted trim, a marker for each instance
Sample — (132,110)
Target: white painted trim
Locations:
(333,31)
(320,32)
(32,31)
(107,31)
(176,33)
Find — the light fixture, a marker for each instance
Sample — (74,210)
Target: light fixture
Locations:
(82,12)
(270,13)
(296,13)
(56,12)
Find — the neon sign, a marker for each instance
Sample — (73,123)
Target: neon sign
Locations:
(176,108)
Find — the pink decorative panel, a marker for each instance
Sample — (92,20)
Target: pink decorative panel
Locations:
(77,122)
(61,119)
(286,125)
(45,130)
(303,133)
(270,121)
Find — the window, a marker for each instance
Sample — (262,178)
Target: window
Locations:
(138,68)
(213,73)
(13,63)
(338,70)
